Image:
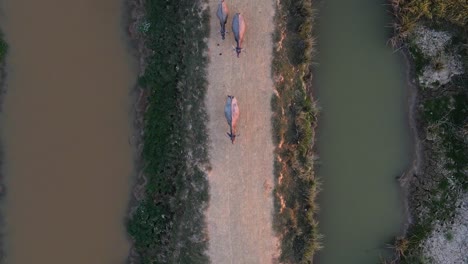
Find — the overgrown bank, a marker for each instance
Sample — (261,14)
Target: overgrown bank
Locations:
(166,221)
(3,51)
(433,34)
(294,121)
(3,48)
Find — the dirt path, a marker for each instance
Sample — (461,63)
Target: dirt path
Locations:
(240,213)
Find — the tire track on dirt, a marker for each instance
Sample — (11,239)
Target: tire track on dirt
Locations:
(240,213)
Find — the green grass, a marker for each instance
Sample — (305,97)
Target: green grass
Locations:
(419,60)
(168,225)
(448,236)
(3,48)
(294,122)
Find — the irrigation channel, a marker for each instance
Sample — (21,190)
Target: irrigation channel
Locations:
(66,125)
(364,139)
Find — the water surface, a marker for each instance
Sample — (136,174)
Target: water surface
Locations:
(65,129)
(363,136)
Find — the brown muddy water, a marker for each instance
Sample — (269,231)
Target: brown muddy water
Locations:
(65,131)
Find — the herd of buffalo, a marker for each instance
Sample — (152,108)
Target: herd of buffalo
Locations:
(231,110)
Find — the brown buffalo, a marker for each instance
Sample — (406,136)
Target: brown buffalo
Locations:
(222,14)
(238,28)
(231,110)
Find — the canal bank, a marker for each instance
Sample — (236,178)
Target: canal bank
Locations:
(363,136)
(432,37)
(65,129)
(166,217)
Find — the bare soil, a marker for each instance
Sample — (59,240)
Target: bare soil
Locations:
(241,204)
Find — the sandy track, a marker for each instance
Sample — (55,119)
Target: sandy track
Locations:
(240,212)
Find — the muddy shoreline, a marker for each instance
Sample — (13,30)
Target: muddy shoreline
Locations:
(3,91)
(413,100)
(134,15)
(431,186)
(416,124)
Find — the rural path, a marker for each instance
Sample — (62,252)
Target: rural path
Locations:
(241,206)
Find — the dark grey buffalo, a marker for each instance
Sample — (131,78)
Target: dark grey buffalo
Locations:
(222,14)
(238,28)
(231,110)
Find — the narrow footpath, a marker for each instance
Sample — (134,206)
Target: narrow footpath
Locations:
(241,205)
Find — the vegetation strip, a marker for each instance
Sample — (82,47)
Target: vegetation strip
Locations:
(432,33)
(167,225)
(294,121)
(3,51)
